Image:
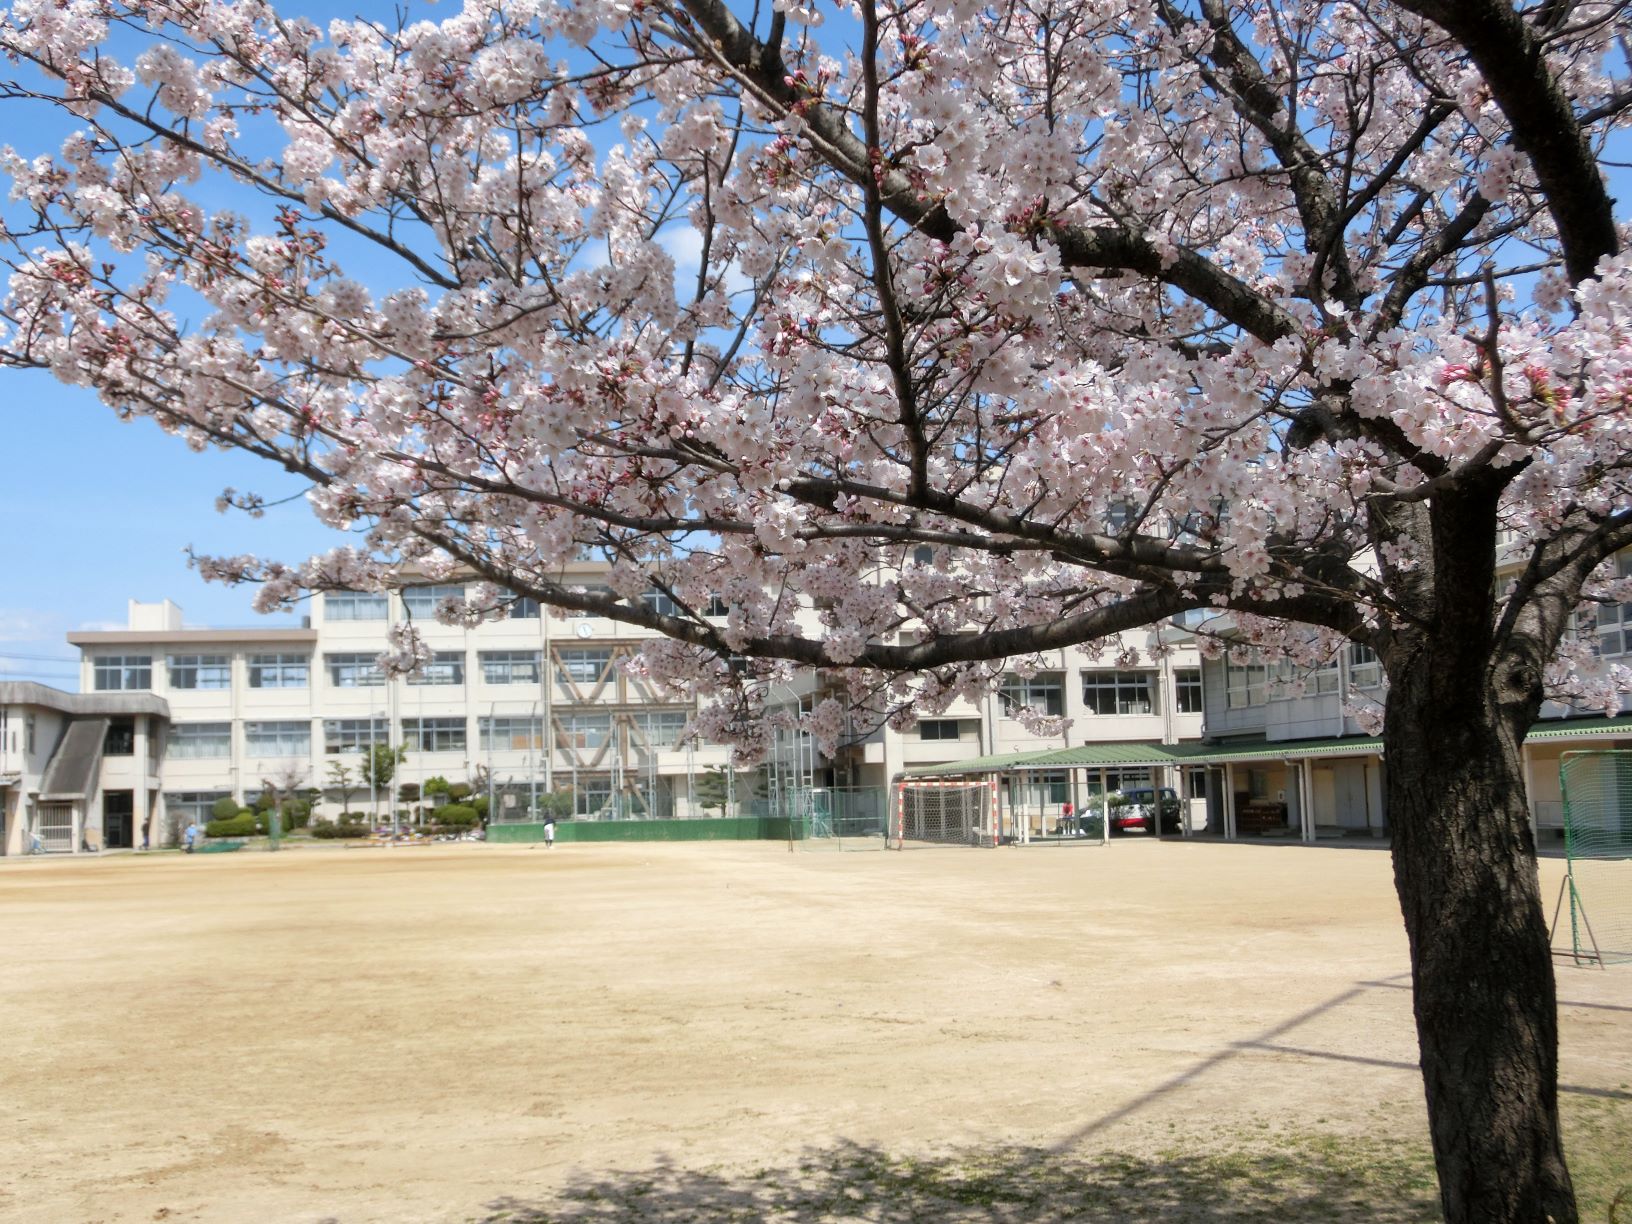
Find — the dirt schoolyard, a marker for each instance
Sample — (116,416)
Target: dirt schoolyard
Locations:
(733,1031)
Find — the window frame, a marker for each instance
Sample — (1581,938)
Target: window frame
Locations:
(564,673)
(280,665)
(356,606)
(193,735)
(940,725)
(1017,692)
(339,734)
(421,601)
(334,662)
(446,669)
(1187,684)
(533,731)
(442,730)
(1124,689)
(295,730)
(504,662)
(217,666)
(126,668)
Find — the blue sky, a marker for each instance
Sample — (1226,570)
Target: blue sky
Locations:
(95,512)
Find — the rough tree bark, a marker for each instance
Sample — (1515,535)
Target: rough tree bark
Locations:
(1459,705)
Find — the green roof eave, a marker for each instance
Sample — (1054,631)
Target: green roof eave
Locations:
(1571,728)
(1114,755)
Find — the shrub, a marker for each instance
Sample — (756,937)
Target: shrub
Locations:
(435,786)
(240,825)
(297,814)
(224,808)
(459,792)
(329,831)
(480,803)
(456,816)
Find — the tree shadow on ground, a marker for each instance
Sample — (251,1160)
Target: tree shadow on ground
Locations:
(1325,1181)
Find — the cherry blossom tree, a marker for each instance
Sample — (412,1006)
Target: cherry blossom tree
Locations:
(1124,310)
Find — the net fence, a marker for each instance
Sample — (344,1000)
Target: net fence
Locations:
(1598,842)
(840,819)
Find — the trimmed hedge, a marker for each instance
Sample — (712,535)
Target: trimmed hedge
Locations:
(241,825)
(330,831)
(455,815)
(224,808)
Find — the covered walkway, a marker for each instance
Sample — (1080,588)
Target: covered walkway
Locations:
(1305,790)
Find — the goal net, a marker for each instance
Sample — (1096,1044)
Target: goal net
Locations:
(1598,842)
(946,813)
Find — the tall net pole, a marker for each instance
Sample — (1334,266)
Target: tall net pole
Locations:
(1597,788)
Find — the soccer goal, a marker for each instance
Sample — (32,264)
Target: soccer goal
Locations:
(946,813)
(1598,843)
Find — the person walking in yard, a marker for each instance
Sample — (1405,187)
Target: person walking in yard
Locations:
(190,836)
(549,832)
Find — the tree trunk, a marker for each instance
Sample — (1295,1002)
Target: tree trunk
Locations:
(1482,971)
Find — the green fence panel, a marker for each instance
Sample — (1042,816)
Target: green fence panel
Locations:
(732,828)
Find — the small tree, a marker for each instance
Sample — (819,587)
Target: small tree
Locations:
(224,808)
(379,766)
(343,780)
(717,788)
(556,805)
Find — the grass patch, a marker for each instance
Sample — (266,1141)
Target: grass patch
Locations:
(1275,1179)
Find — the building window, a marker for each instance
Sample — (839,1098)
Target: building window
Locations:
(1118,692)
(28,734)
(1127,779)
(1187,686)
(1245,684)
(445,667)
(442,734)
(583,664)
(1044,692)
(662,728)
(200,672)
(923,554)
(1365,669)
(354,734)
(278,739)
(938,729)
(355,606)
(592,795)
(191,741)
(354,671)
(509,666)
(523,607)
(1325,677)
(511,734)
(422,600)
(120,739)
(660,602)
(114,672)
(183,808)
(585,732)
(274,671)
(717,607)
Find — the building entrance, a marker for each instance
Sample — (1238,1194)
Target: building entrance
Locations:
(118,819)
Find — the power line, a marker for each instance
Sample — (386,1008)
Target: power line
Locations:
(39,658)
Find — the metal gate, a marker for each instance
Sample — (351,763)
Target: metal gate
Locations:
(55,822)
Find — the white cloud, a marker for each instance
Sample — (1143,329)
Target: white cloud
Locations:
(28,625)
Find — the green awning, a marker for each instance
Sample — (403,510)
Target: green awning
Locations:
(1124,755)
(1569,728)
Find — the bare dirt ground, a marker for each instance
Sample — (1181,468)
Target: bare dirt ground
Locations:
(731,1031)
